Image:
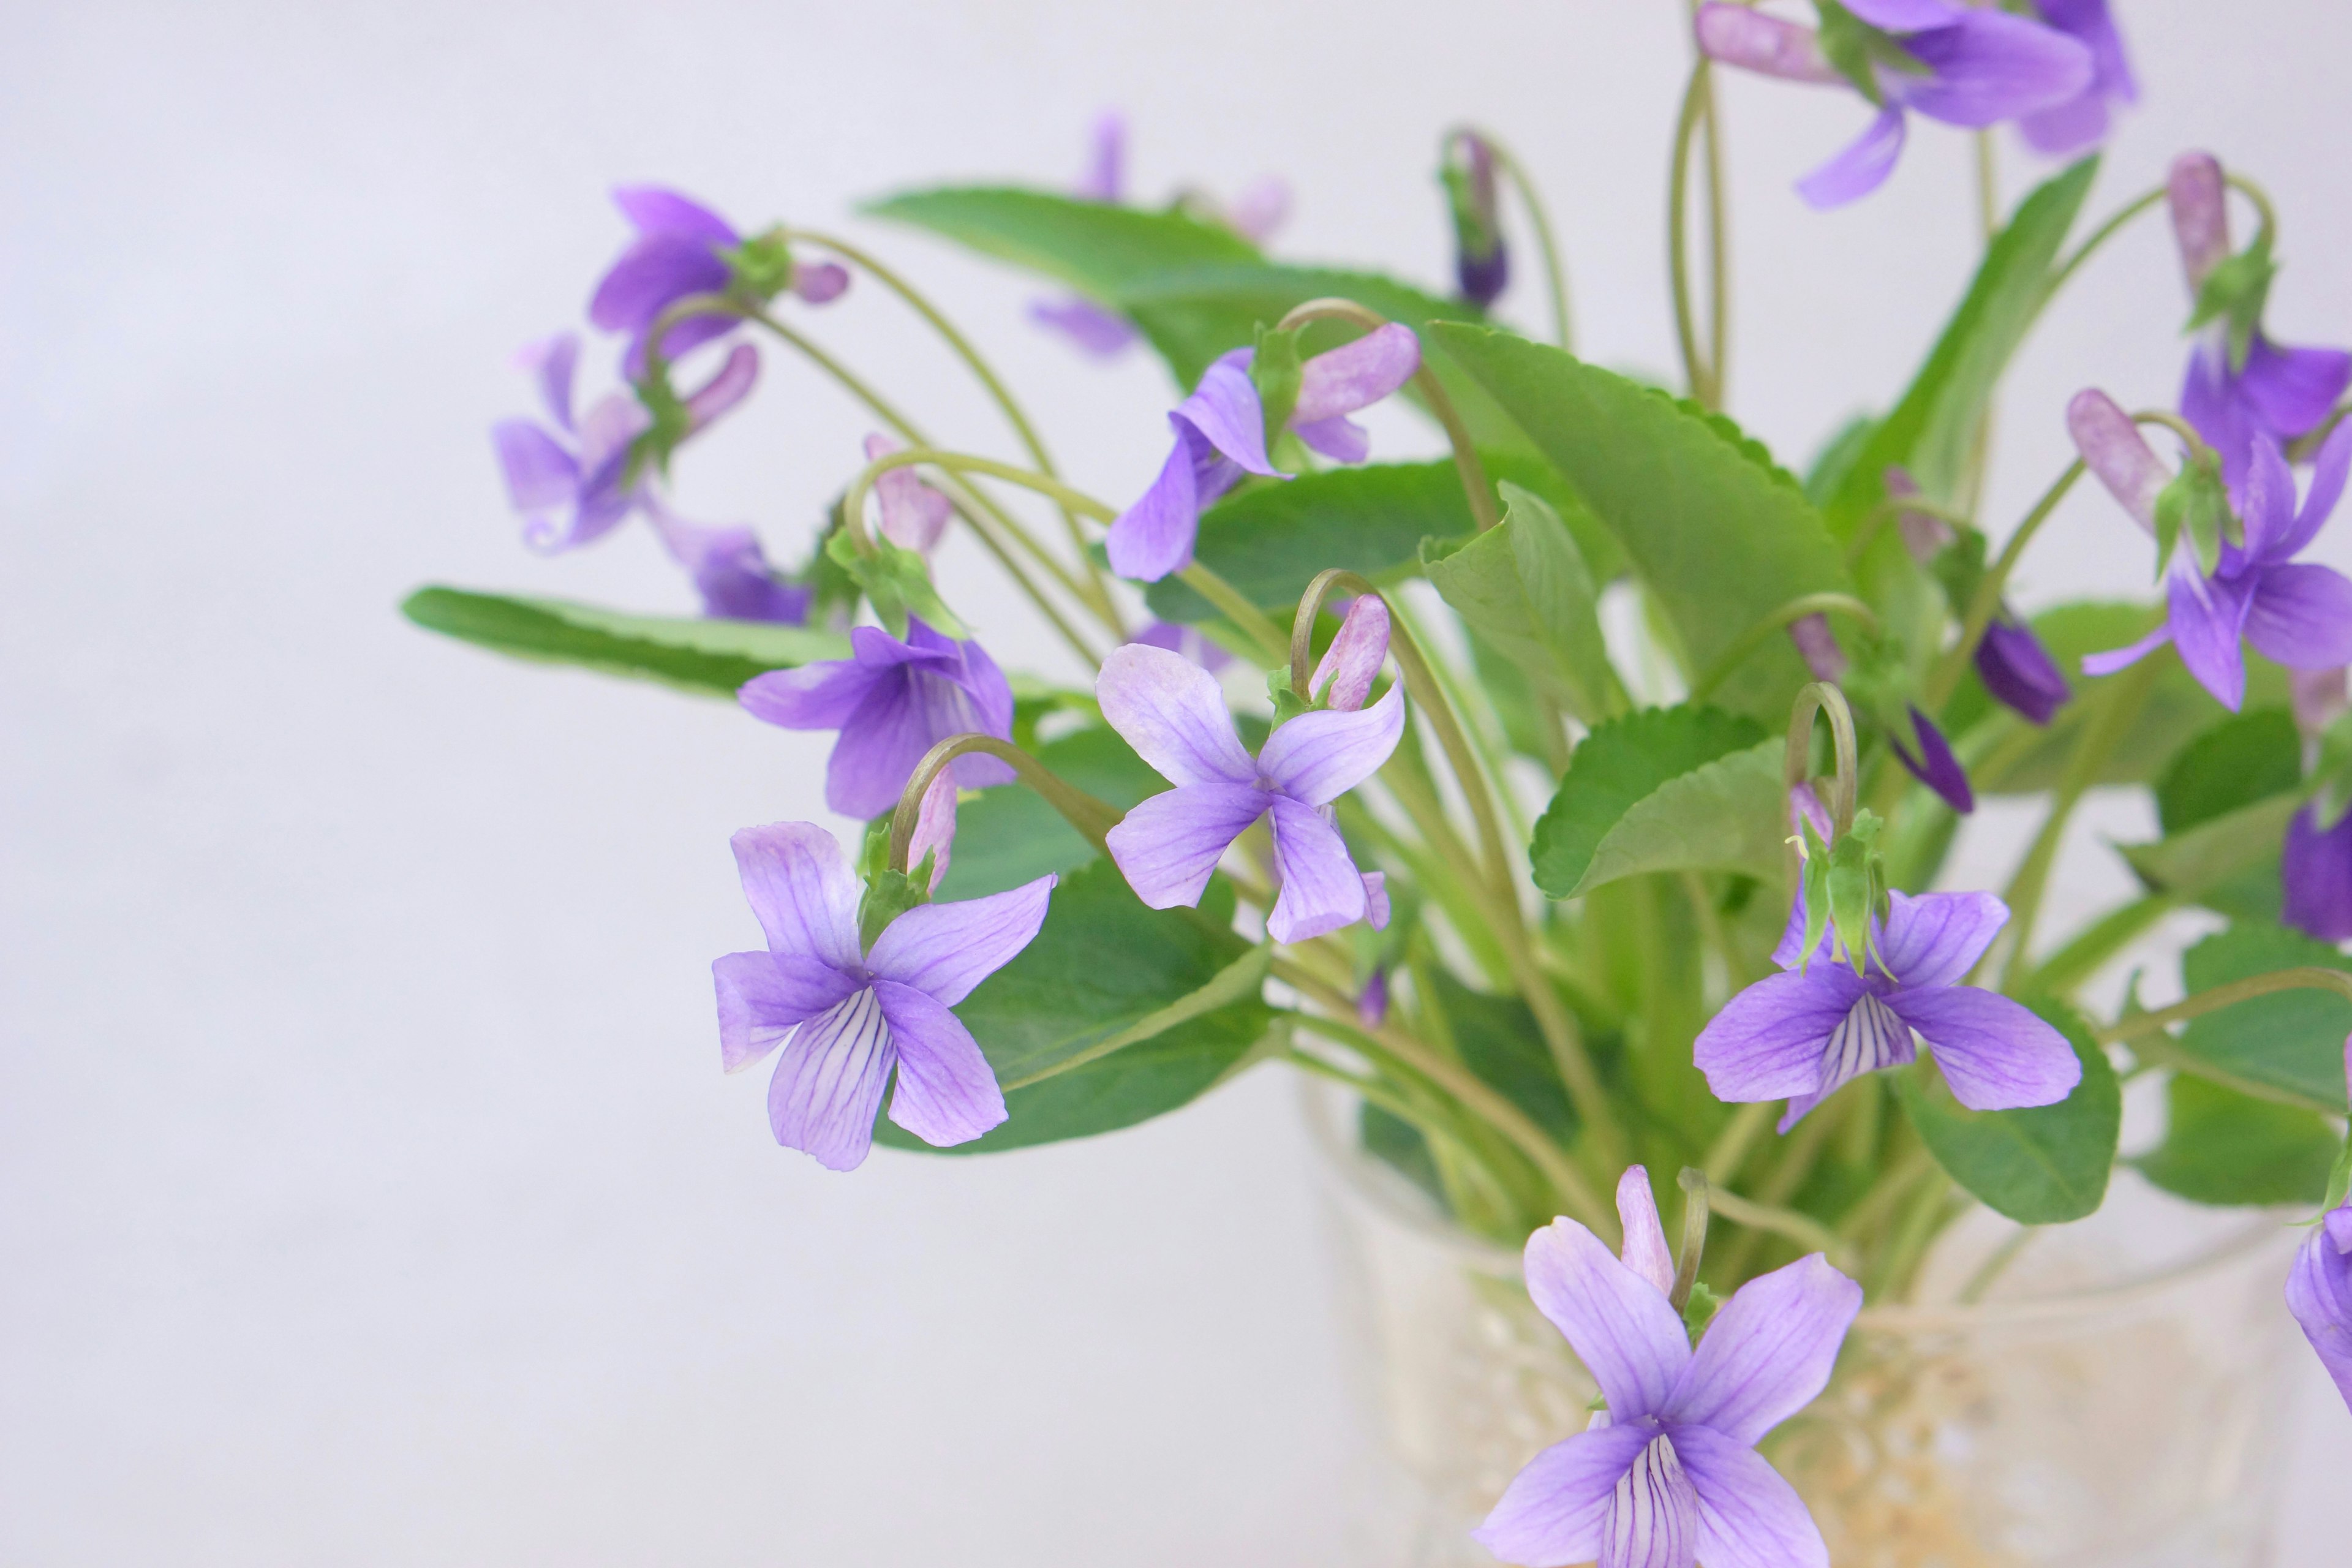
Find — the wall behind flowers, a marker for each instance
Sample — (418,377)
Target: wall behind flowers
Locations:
(368,1190)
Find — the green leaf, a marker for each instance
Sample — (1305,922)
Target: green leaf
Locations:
(709,656)
(2216,852)
(1498,1041)
(1101,966)
(1661,790)
(2245,758)
(1270,540)
(2224,1147)
(1096,247)
(1007,835)
(1933,428)
(1522,588)
(2045,1165)
(2291,1041)
(1721,537)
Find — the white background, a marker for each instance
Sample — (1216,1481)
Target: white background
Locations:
(369,1192)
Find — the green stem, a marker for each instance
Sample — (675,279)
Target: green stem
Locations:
(1555,275)
(1236,607)
(1921,1221)
(1988,187)
(1992,1268)
(1755,637)
(2303,978)
(1093,818)
(1946,676)
(986,534)
(1694,370)
(1718,254)
(2100,236)
(1802,1229)
(1823,699)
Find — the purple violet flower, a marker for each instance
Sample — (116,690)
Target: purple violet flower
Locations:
(1185,640)
(2281,392)
(1099,332)
(1935,767)
(2295,613)
(1803,1034)
(1669,1476)
(2315,876)
(845,1018)
(682,248)
(2081,122)
(2319,1286)
(1966,67)
(892,701)
(1221,434)
(2019,671)
(914,515)
(1343,677)
(1172,712)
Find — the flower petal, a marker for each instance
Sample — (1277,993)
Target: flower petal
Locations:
(1155,536)
(1935,767)
(2315,876)
(1907,15)
(2328,470)
(946,1092)
(2123,658)
(1094,330)
(651,274)
(1356,375)
(1768,1351)
(2113,449)
(1344,675)
(1106,160)
(1871,1038)
(945,950)
(1319,757)
(1167,847)
(1224,408)
(2319,1294)
(1644,1250)
(1749,1516)
(820,696)
(2267,505)
(762,997)
(552,360)
(1173,713)
(1554,1508)
(1860,168)
(1737,35)
(1339,438)
(801,890)
(914,515)
(1376,899)
(1652,1519)
(1766,1042)
(1260,209)
(2300,616)
(731,385)
(1321,889)
(2292,390)
(2198,198)
(2019,672)
(541,475)
(1935,939)
(819,283)
(2206,616)
(1988,65)
(1998,1055)
(935,825)
(829,1081)
(656,209)
(1619,1324)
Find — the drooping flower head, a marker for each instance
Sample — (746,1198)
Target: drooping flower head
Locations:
(1172,712)
(2081,122)
(2295,613)
(892,701)
(1971,67)
(1482,263)
(730,571)
(2019,671)
(848,1015)
(1803,1034)
(2319,1286)
(914,515)
(1221,434)
(683,248)
(1669,1476)
(1935,765)
(2241,386)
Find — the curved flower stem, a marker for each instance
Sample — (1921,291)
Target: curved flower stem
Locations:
(2265,210)
(1821,698)
(1756,636)
(985,532)
(2101,235)
(1466,461)
(854,501)
(1476,1095)
(1555,274)
(1718,251)
(1093,818)
(1988,187)
(1945,679)
(1696,373)
(2304,978)
(889,279)
(1236,607)
(1562,1037)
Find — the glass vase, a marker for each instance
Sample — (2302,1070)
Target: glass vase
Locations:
(2111,1402)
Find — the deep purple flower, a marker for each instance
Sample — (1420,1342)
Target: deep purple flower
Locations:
(2295,613)
(1801,1035)
(914,515)
(2319,1286)
(1482,262)
(729,570)
(845,1018)
(2281,392)
(1185,640)
(682,248)
(1221,434)
(1964,66)
(1098,331)
(1669,1476)
(1935,767)
(2315,876)
(892,701)
(1172,712)
(2082,122)
(2019,671)
(1373,1001)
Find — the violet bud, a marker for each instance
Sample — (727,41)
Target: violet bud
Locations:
(1935,767)
(1819,647)
(2019,671)
(1344,677)
(1482,264)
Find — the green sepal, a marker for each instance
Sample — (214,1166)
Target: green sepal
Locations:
(2235,292)
(1277,370)
(1854,882)
(888,895)
(1700,1310)
(1287,704)
(2333,773)
(2195,507)
(1476,230)
(1960,568)
(896,583)
(1852,47)
(1815,889)
(2339,1180)
(761,267)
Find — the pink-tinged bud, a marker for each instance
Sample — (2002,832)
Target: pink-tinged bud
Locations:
(914,515)
(723,391)
(2319,697)
(1344,677)
(1260,209)
(2200,214)
(1805,808)
(820,283)
(1923,533)
(2113,449)
(935,825)
(1737,35)
(1819,647)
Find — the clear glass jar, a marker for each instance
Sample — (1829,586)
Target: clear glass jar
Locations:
(2112,1402)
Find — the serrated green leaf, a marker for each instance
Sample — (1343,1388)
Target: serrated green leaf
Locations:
(2215,852)
(1640,793)
(2045,1165)
(708,657)
(2246,757)
(1721,537)
(2224,1147)
(1522,588)
(2289,1040)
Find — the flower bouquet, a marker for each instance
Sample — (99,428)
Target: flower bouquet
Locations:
(1575,804)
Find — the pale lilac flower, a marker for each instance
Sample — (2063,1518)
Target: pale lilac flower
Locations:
(1801,1035)
(1935,766)
(2281,392)
(1343,677)
(892,701)
(1221,434)
(1172,712)
(2295,613)
(914,515)
(682,248)
(2019,671)
(1968,67)
(1817,644)
(2081,122)
(1263,207)
(1098,331)
(1185,640)
(2319,1286)
(1925,535)
(846,1017)
(935,827)
(1669,1476)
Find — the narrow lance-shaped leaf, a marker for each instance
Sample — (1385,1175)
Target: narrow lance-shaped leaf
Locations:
(708,657)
